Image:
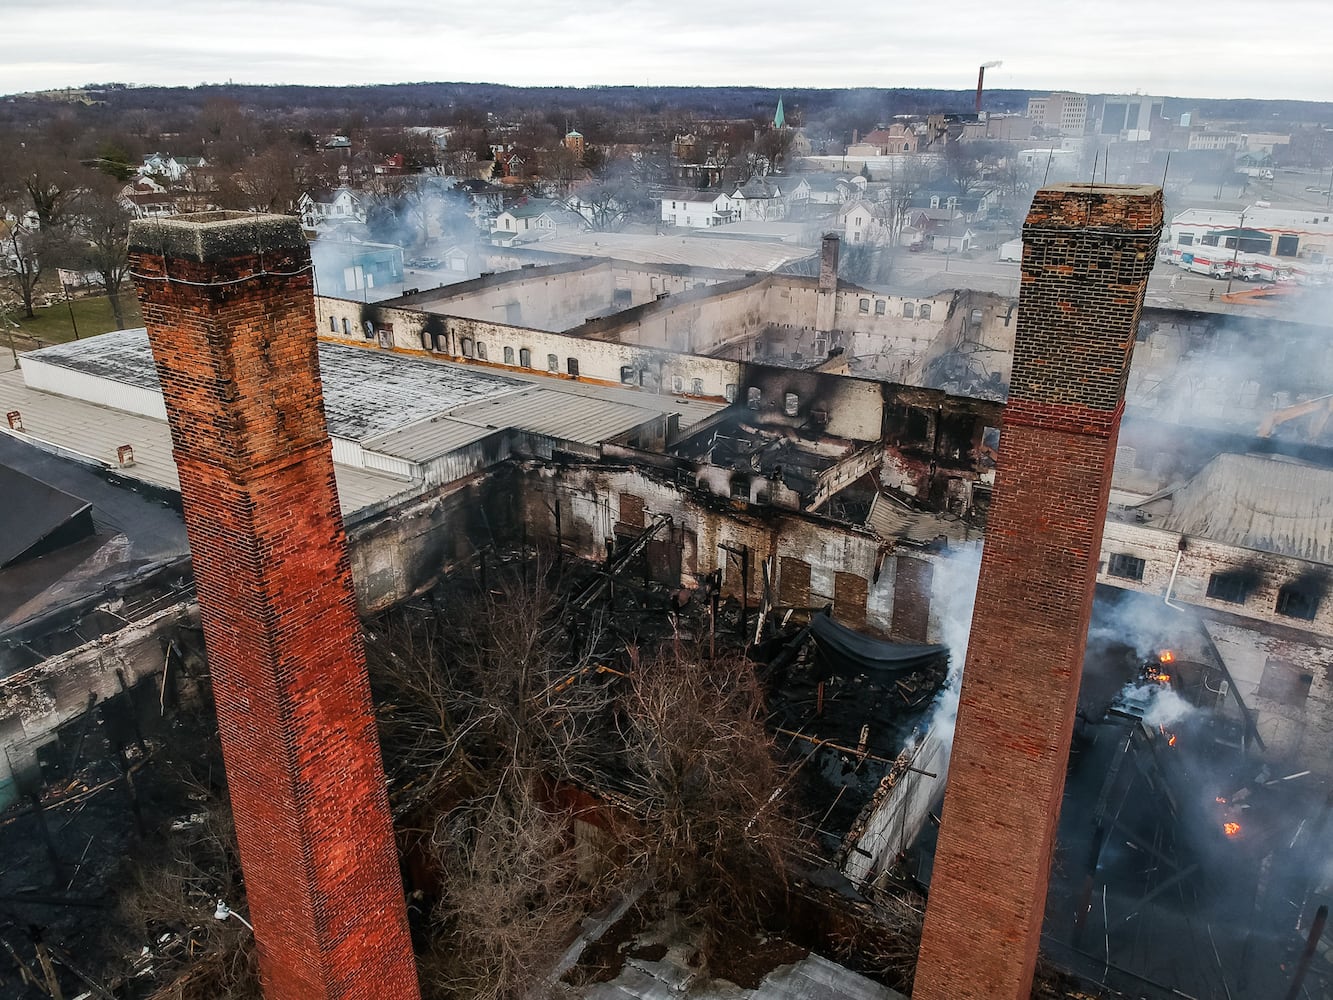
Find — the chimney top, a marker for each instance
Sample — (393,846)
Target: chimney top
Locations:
(214,236)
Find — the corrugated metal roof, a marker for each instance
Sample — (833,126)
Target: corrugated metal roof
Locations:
(427,439)
(369,392)
(366,391)
(565,415)
(1257,502)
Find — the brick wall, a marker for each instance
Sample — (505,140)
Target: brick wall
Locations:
(1087,253)
(233,338)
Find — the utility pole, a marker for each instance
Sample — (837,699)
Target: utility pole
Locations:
(70,306)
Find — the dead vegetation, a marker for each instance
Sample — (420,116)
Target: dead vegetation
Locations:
(543,766)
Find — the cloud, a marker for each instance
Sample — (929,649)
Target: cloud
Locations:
(1231,51)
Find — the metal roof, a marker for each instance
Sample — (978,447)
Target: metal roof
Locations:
(1257,502)
(727,254)
(366,391)
(564,415)
(427,439)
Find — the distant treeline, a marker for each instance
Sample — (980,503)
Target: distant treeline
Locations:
(441,103)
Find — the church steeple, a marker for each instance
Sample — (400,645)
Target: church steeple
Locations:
(779,119)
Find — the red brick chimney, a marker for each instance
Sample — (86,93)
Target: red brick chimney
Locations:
(227,298)
(1087,253)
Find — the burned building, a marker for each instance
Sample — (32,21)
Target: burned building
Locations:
(699,429)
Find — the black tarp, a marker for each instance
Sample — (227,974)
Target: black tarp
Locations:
(36,518)
(849,653)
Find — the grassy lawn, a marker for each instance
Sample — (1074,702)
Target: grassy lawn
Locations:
(92,316)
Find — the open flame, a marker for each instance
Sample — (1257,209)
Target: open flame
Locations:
(1170,738)
(1166,656)
(1231,829)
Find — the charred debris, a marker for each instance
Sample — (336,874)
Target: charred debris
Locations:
(712,760)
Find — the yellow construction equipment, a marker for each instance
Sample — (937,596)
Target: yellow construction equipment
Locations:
(1320,406)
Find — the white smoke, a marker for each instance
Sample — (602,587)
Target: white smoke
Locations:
(953,593)
(1165,707)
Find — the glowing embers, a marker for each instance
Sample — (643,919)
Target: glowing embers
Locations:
(1231,829)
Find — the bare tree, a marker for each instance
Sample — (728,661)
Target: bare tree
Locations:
(102,232)
(711,794)
(21,261)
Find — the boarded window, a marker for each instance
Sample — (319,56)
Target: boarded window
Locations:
(864,305)
(791,404)
(729,394)
(467,347)
(850,592)
(552,362)
(333,324)
(525,357)
(697,387)
(627,375)
(924,312)
(347,328)
(911,598)
(753,397)
(793,582)
(572,366)
(908,310)
(509,355)
(481,350)
(880,307)
(631,510)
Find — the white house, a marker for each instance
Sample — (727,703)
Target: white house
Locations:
(758,200)
(857,221)
(535,219)
(319,208)
(697,209)
(173,168)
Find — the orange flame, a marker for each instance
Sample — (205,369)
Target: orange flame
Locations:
(1172,741)
(1231,829)
(1221,801)
(1166,656)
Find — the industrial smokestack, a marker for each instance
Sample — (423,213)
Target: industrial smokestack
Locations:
(826,300)
(1087,254)
(981,79)
(228,301)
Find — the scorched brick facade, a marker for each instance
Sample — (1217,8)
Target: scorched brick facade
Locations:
(1087,253)
(227,299)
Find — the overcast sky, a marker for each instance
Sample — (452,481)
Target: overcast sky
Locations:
(1225,48)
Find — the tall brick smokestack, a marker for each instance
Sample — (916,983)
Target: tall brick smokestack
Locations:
(1087,253)
(227,298)
(826,299)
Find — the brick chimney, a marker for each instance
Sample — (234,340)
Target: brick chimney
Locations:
(227,299)
(826,302)
(1087,253)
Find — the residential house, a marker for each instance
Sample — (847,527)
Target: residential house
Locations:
(759,200)
(697,209)
(535,219)
(486,201)
(858,222)
(319,208)
(173,168)
(975,205)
